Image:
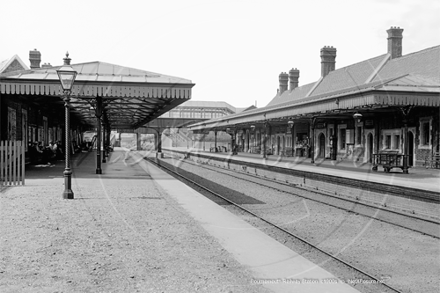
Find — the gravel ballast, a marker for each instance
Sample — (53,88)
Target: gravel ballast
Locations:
(407,260)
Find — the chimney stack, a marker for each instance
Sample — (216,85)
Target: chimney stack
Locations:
(35,58)
(283,78)
(395,41)
(328,60)
(293,78)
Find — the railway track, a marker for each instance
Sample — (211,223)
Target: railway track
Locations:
(369,278)
(379,211)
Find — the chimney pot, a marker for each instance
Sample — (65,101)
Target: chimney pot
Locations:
(293,78)
(395,42)
(328,60)
(283,79)
(35,58)
(46,65)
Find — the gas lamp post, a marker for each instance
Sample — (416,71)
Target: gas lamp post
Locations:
(67,77)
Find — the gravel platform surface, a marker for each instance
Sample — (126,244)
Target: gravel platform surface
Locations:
(121,233)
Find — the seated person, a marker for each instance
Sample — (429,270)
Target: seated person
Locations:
(38,148)
(53,147)
(35,152)
(47,153)
(59,151)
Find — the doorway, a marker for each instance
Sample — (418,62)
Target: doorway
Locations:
(370,147)
(278,145)
(321,144)
(283,148)
(410,149)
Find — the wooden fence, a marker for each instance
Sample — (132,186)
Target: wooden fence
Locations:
(12,161)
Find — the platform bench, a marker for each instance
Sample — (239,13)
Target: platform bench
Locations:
(388,160)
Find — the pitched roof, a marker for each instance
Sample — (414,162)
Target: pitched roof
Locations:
(251,107)
(100,72)
(12,64)
(287,96)
(137,96)
(349,76)
(425,63)
(417,72)
(209,104)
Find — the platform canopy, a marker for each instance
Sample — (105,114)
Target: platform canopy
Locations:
(130,97)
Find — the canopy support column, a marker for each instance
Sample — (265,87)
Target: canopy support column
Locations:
(265,127)
(233,146)
(405,112)
(312,141)
(108,139)
(215,141)
(138,142)
(98,133)
(104,153)
(159,153)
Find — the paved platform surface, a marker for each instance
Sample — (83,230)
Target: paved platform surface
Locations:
(418,177)
(136,229)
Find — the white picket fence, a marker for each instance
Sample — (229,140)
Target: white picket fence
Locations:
(12,162)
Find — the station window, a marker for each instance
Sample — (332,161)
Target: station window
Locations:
(388,142)
(391,139)
(425,138)
(343,138)
(424,132)
(396,144)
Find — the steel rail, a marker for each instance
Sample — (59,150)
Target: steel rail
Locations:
(410,216)
(377,281)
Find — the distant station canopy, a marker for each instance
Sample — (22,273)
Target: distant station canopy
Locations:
(127,97)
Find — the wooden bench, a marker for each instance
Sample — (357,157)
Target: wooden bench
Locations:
(432,161)
(388,160)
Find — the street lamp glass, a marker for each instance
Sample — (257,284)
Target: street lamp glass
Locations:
(67,76)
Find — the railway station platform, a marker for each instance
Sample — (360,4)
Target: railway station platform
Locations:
(418,178)
(136,228)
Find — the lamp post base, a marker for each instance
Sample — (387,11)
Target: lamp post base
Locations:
(98,171)
(68,194)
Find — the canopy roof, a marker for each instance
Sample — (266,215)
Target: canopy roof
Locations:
(380,82)
(131,97)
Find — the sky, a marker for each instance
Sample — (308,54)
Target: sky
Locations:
(233,50)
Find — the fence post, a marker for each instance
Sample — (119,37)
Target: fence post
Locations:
(12,163)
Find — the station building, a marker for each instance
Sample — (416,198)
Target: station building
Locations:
(388,103)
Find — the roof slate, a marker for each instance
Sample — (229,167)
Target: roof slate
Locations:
(424,63)
(349,76)
(417,72)
(288,96)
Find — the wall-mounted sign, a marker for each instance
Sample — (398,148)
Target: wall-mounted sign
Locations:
(369,122)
